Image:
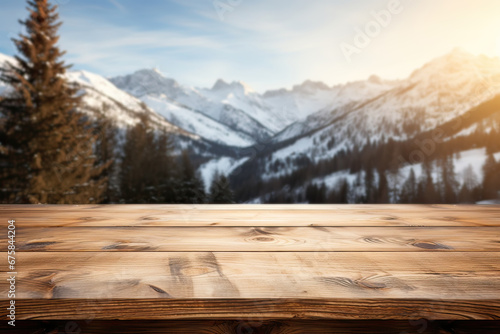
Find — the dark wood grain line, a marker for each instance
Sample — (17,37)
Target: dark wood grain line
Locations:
(256,309)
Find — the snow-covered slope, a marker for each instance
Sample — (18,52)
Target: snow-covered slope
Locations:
(103,99)
(317,105)
(196,122)
(245,111)
(147,84)
(311,120)
(440,92)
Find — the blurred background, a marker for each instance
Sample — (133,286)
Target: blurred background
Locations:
(250,102)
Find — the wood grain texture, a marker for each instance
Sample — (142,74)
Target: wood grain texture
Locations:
(290,269)
(254,239)
(250,215)
(257,327)
(255,309)
(348,275)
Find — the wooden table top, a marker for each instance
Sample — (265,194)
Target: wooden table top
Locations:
(330,262)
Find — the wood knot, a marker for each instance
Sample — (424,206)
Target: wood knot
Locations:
(263,239)
(373,240)
(430,245)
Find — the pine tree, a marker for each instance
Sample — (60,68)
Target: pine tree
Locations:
(491,179)
(220,190)
(105,151)
(369,186)
(147,170)
(165,168)
(427,193)
(409,191)
(449,183)
(316,194)
(46,146)
(383,188)
(343,194)
(468,190)
(191,189)
(135,176)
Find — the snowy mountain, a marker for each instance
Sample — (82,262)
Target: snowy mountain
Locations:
(242,110)
(268,137)
(445,91)
(440,91)
(322,105)
(235,128)
(101,98)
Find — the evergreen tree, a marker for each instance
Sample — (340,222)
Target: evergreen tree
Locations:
(147,169)
(409,190)
(46,146)
(449,184)
(427,193)
(343,192)
(316,194)
(220,190)
(137,180)
(369,185)
(469,192)
(491,180)
(165,168)
(191,189)
(105,151)
(383,188)
(420,197)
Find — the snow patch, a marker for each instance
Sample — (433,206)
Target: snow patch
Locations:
(223,165)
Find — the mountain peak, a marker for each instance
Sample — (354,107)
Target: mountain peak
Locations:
(311,85)
(220,84)
(454,62)
(375,79)
(149,72)
(147,81)
(459,51)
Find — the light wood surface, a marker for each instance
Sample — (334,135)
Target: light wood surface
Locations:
(116,275)
(253,215)
(256,239)
(170,262)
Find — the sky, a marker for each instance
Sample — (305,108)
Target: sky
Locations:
(268,44)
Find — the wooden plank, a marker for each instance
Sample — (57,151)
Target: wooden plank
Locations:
(348,275)
(256,327)
(270,264)
(254,309)
(248,215)
(253,239)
